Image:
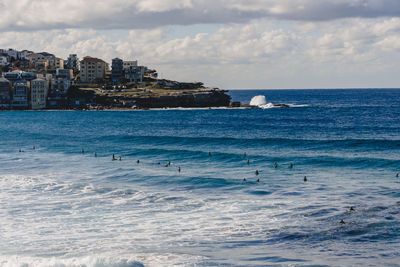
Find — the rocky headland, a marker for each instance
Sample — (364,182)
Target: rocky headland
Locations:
(147,97)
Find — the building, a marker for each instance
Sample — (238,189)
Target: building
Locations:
(117,69)
(59,63)
(91,69)
(16,76)
(39,90)
(43,56)
(25,53)
(73,62)
(57,97)
(65,74)
(60,86)
(12,53)
(128,64)
(42,64)
(3,61)
(5,93)
(135,74)
(20,95)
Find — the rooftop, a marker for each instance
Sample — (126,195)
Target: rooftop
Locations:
(92,59)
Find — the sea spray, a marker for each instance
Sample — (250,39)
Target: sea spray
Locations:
(261,102)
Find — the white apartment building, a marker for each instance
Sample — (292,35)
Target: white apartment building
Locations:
(128,64)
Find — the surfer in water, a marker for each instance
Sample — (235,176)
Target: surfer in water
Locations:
(244,179)
(352,209)
(291,166)
(397,175)
(113,157)
(179,169)
(275,165)
(95,154)
(258,180)
(209,154)
(305,179)
(138,161)
(248,162)
(120,158)
(342,222)
(83,150)
(257,172)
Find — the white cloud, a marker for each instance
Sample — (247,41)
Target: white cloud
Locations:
(258,43)
(27,15)
(262,54)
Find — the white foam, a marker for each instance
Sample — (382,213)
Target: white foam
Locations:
(297,106)
(85,261)
(140,260)
(261,102)
(258,101)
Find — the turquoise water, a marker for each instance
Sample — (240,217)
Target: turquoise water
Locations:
(62,207)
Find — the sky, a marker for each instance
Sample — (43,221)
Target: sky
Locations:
(230,44)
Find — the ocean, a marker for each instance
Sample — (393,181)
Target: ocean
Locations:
(62,205)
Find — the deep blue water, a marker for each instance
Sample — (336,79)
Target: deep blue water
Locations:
(62,207)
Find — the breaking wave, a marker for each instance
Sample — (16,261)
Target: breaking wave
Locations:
(261,102)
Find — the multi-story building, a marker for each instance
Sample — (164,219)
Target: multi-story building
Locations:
(135,74)
(33,58)
(25,53)
(42,64)
(20,95)
(5,93)
(92,68)
(60,86)
(128,64)
(73,62)
(16,76)
(39,92)
(117,69)
(3,61)
(58,92)
(59,63)
(65,74)
(12,53)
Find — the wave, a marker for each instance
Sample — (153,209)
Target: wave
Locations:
(71,262)
(251,142)
(261,102)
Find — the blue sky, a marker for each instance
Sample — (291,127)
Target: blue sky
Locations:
(229,44)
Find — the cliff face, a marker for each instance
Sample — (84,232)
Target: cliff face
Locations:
(201,98)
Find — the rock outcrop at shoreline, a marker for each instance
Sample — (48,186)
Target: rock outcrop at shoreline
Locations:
(201,98)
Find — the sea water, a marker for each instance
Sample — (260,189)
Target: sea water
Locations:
(60,205)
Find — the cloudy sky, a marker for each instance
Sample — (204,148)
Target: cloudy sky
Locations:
(225,43)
